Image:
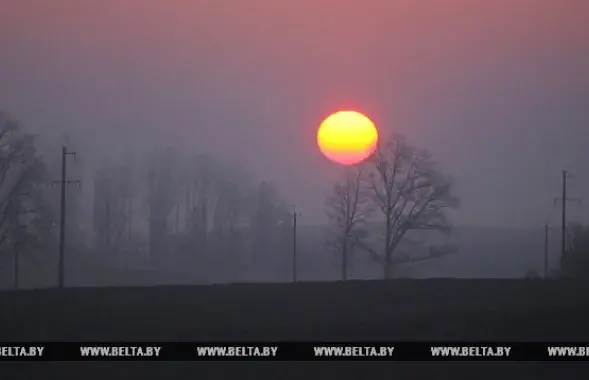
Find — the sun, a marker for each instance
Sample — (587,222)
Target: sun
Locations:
(347,137)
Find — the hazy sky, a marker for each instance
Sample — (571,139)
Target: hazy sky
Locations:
(498,90)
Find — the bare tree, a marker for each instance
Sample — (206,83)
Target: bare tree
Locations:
(347,210)
(232,191)
(160,182)
(111,200)
(25,220)
(575,262)
(202,199)
(410,193)
(129,193)
(269,219)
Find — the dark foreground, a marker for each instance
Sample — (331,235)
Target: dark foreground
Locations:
(365,310)
(443,310)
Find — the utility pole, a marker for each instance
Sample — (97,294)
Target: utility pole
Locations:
(17,247)
(563,226)
(16,250)
(64,182)
(130,223)
(294,245)
(563,215)
(176,228)
(545,251)
(13,212)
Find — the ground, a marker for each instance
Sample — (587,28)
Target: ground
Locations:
(443,310)
(356,310)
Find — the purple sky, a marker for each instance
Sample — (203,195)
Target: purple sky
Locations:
(497,90)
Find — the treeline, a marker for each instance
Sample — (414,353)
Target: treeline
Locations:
(192,214)
(575,262)
(163,209)
(27,216)
(191,205)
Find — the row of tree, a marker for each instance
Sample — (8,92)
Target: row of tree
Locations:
(397,191)
(575,262)
(175,204)
(192,203)
(163,203)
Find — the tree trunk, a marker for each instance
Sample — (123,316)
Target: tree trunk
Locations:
(345,261)
(387,267)
(387,249)
(130,220)
(16,268)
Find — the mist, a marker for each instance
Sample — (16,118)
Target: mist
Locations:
(161,179)
(500,82)
(497,91)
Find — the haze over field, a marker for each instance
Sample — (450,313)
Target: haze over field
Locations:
(498,91)
(196,125)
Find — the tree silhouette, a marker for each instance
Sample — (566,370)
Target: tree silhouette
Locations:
(112,196)
(26,224)
(347,208)
(575,263)
(160,185)
(269,221)
(410,193)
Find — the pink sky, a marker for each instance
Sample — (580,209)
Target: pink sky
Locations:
(501,81)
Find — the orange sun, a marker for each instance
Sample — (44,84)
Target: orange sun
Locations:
(347,137)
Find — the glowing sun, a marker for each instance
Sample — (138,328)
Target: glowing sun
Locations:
(347,137)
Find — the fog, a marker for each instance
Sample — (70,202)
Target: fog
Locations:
(497,91)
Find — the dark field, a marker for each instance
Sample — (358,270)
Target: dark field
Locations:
(396,310)
(364,310)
